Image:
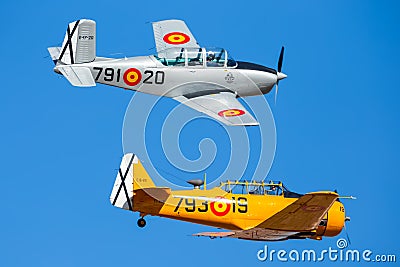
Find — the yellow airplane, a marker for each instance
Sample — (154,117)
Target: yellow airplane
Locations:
(248,210)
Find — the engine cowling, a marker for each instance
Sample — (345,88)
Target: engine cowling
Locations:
(333,221)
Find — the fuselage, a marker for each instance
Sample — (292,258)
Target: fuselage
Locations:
(148,75)
(218,208)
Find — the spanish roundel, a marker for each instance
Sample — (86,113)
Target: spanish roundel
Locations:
(132,76)
(231,112)
(176,38)
(220,207)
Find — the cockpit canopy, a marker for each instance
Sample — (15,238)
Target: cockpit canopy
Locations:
(196,57)
(272,188)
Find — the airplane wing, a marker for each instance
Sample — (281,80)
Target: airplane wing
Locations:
(252,234)
(222,106)
(303,215)
(172,33)
(214,234)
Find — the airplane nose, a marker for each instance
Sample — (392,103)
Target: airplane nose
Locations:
(281,75)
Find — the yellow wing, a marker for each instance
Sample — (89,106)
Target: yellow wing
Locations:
(303,215)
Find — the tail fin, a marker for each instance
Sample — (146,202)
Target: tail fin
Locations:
(79,44)
(131,176)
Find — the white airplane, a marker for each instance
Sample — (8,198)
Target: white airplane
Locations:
(205,79)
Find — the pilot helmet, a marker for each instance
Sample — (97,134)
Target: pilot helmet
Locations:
(210,56)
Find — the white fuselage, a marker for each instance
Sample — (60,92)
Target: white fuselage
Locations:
(157,79)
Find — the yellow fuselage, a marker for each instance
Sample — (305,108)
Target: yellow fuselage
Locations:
(217,208)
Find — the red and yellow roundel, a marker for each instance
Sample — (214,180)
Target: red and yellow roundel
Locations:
(231,112)
(220,207)
(132,76)
(176,38)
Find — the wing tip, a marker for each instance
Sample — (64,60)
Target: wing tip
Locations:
(168,20)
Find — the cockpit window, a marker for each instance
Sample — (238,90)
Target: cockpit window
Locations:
(254,188)
(216,57)
(196,57)
(231,63)
(172,57)
(274,190)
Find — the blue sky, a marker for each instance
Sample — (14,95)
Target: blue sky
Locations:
(337,121)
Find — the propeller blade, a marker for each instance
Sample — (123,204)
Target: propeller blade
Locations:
(280,61)
(280,75)
(347,234)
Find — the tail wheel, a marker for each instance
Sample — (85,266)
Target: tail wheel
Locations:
(141,222)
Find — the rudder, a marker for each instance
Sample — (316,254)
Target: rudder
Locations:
(131,176)
(79,44)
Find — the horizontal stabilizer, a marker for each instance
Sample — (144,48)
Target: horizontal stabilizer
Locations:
(77,76)
(54,53)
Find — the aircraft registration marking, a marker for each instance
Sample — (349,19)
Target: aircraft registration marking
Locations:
(110,74)
(219,206)
(131,77)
